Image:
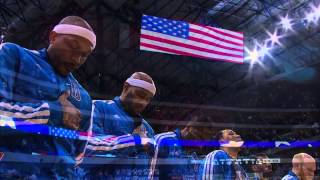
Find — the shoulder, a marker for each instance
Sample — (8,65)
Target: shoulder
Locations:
(217,154)
(102,103)
(16,50)
(103,106)
(289,177)
(165,135)
(10,54)
(10,47)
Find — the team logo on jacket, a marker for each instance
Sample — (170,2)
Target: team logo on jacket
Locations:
(75,91)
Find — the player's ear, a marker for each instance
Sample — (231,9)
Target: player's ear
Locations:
(125,87)
(52,37)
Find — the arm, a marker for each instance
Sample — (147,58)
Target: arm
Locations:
(109,144)
(163,142)
(103,143)
(44,112)
(98,117)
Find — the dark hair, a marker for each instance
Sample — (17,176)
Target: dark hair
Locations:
(219,135)
(256,156)
(76,20)
(142,76)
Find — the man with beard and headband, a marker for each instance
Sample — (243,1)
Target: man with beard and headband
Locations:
(122,115)
(38,93)
(222,164)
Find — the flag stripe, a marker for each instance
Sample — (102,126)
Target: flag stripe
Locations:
(210,39)
(226,33)
(216,32)
(206,32)
(154,50)
(189,53)
(234,33)
(186,51)
(206,41)
(192,45)
(186,47)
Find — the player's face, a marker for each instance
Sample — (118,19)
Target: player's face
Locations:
(68,52)
(308,170)
(229,135)
(265,168)
(136,99)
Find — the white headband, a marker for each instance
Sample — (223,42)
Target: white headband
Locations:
(76,30)
(142,84)
(231,143)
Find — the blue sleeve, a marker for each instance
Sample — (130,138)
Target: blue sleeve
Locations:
(164,142)
(167,143)
(163,150)
(43,112)
(98,117)
(170,148)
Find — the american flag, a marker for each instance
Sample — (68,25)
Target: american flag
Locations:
(187,39)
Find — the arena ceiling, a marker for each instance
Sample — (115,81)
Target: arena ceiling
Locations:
(117,23)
